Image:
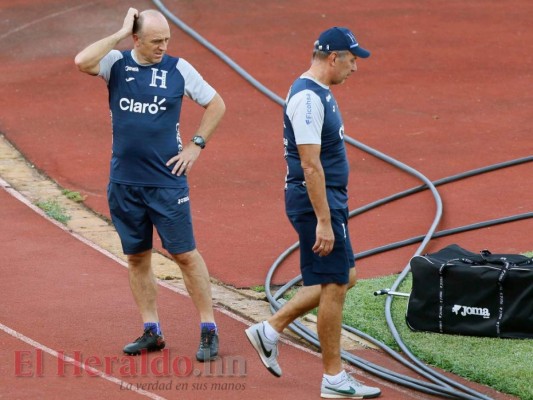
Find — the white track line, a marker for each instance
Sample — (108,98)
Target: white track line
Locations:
(91,370)
(48,350)
(22,27)
(7,187)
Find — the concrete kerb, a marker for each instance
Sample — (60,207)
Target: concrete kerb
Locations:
(36,187)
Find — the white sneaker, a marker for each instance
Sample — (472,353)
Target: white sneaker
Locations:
(267,349)
(347,388)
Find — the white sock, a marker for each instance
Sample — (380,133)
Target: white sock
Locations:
(270,332)
(335,379)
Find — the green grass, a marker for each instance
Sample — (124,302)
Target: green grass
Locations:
(74,196)
(54,210)
(504,364)
(258,288)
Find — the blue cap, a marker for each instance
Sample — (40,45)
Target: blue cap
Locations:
(338,39)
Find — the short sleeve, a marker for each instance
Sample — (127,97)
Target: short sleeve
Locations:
(107,62)
(306,113)
(196,88)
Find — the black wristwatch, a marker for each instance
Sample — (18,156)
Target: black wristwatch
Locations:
(199,141)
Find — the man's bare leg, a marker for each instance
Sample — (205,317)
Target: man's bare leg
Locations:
(306,299)
(143,285)
(196,278)
(329,326)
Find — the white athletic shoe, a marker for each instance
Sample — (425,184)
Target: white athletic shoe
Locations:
(267,349)
(347,388)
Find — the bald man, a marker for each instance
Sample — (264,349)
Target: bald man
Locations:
(150,162)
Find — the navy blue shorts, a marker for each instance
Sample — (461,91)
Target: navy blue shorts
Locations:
(135,210)
(333,268)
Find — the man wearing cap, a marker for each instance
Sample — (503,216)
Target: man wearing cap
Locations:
(316,201)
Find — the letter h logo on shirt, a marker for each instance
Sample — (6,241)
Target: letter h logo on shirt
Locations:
(162,78)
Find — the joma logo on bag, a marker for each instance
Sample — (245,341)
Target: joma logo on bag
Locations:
(482,312)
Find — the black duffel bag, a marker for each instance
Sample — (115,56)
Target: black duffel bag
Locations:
(459,292)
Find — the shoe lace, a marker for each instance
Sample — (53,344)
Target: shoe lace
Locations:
(147,333)
(354,381)
(206,338)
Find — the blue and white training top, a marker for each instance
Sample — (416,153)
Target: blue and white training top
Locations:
(311,116)
(145,103)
